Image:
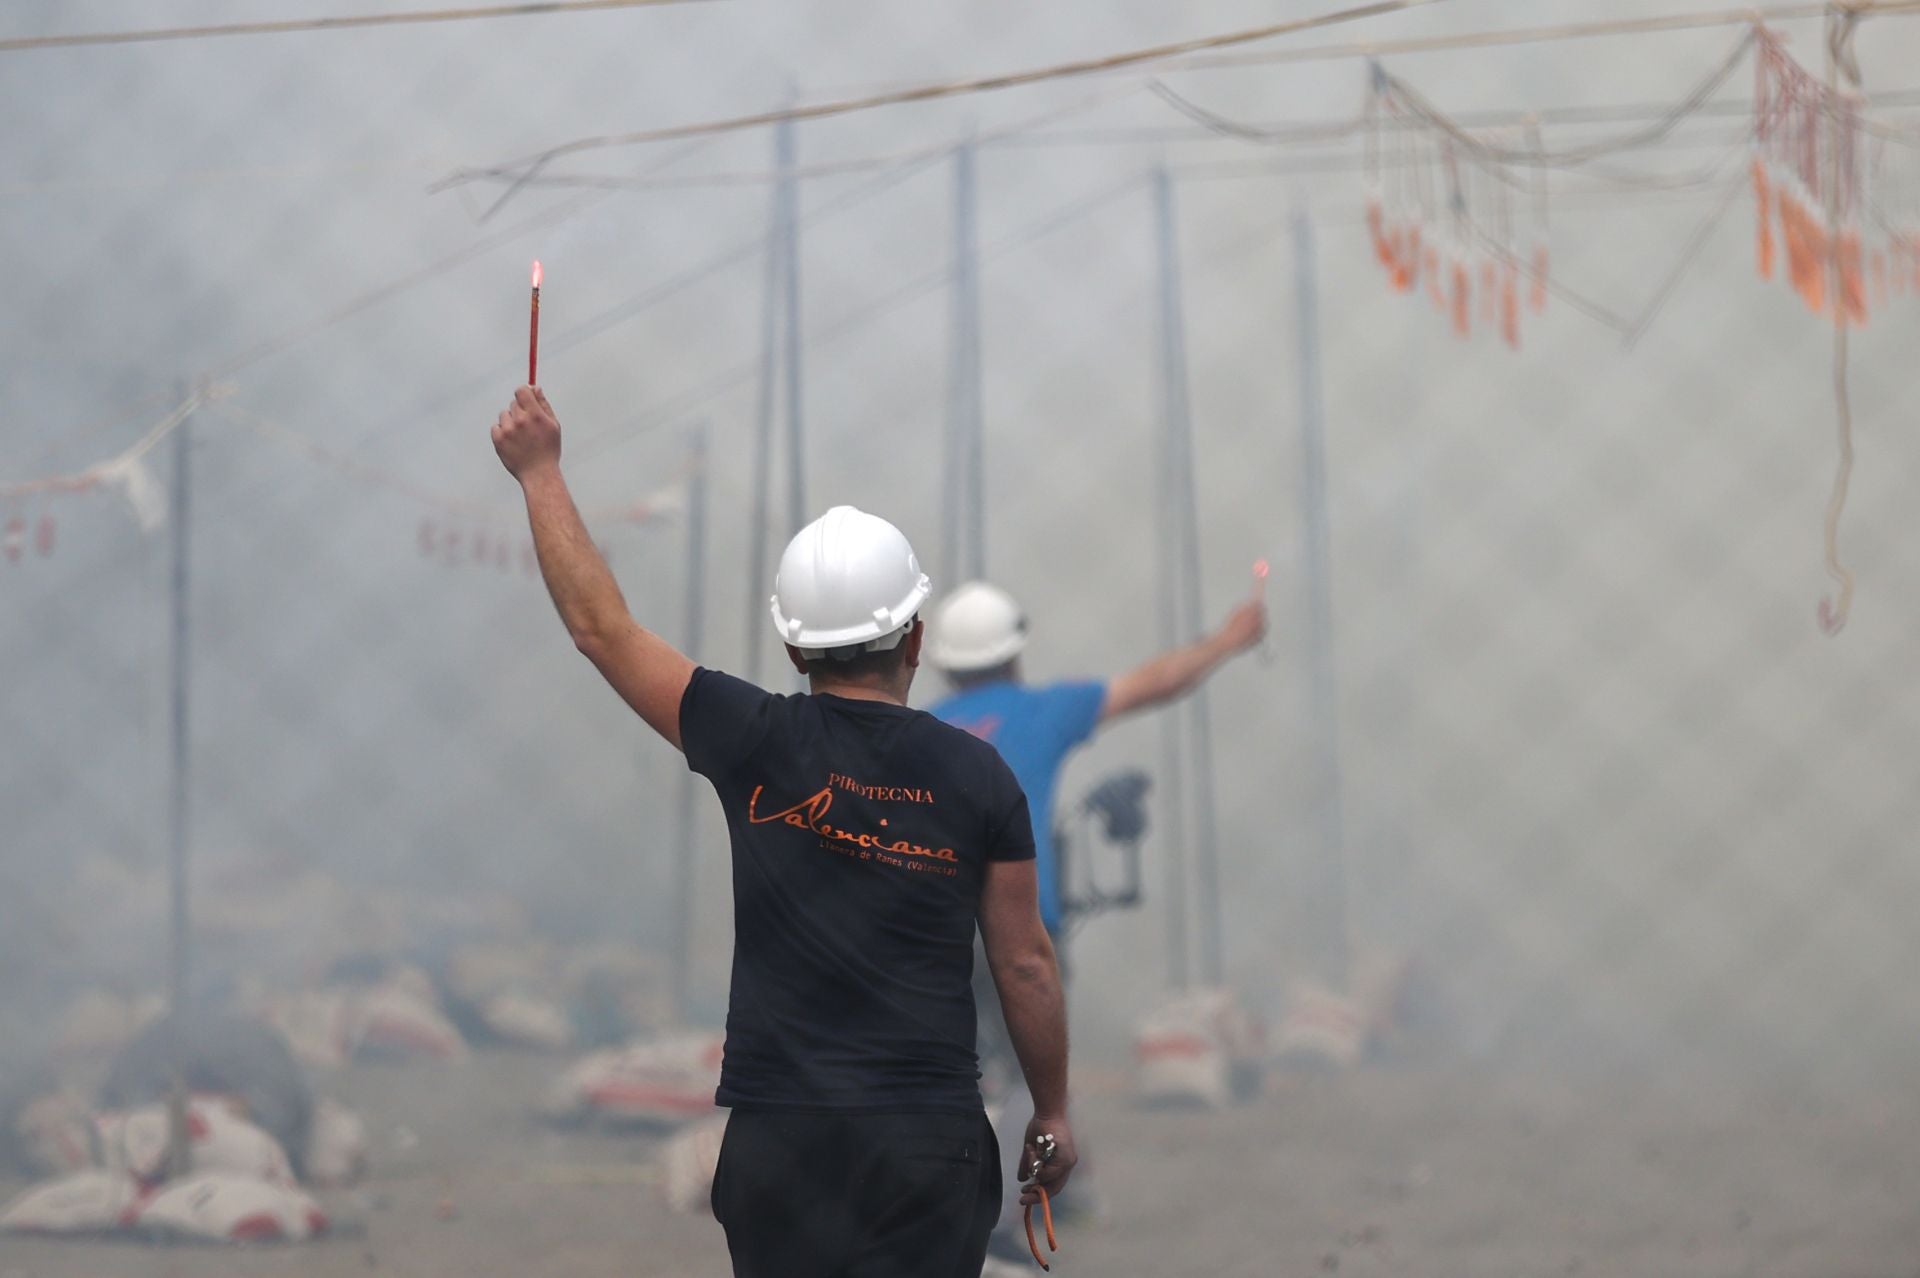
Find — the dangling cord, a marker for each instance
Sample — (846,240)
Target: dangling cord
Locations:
(1834,609)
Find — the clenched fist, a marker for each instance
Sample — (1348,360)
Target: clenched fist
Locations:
(527,436)
(1245,626)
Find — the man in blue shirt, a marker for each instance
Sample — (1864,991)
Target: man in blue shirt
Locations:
(977,635)
(976,638)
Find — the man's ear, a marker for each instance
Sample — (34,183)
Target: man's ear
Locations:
(912,643)
(799,662)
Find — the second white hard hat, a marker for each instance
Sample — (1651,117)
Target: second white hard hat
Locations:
(848,580)
(977,627)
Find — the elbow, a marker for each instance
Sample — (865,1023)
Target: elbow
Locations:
(590,641)
(1034,967)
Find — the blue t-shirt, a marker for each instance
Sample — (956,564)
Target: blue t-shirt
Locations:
(1034,728)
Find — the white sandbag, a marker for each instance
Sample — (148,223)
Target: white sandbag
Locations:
(688,1164)
(83,1202)
(223,1207)
(222,1140)
(338,1145)
(1201,1048)
(667,1081)
(134,1143)
(401,1019)
(1321,1028)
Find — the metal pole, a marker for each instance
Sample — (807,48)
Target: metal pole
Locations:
(1184,505)
(790,289)
(976,459)
(1328,894)
(694,637)
(964,534)
(1173,407)
(758,583)
(180,827)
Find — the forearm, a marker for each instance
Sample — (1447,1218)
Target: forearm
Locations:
(582,586)
(1176,673)
(1036,1014)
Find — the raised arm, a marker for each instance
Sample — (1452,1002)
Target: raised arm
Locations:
(643,668)
(1027,976)
(1172,675)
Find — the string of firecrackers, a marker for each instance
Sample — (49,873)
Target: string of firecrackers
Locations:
(1450,223)
(1814,175)
(125,471)
(460,533)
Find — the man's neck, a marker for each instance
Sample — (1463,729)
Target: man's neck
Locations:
(859,691)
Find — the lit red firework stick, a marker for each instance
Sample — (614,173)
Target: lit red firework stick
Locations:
(533,331)
(1260,571)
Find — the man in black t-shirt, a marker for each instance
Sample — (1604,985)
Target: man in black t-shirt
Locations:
(868,840)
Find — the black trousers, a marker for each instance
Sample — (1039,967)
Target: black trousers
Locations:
(857,1195)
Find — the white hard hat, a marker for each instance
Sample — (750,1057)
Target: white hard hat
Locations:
(847,580)
(977,627)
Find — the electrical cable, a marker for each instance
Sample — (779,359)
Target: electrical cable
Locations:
(540,8)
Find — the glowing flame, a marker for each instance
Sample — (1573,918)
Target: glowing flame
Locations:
(536,272)
(1260,569)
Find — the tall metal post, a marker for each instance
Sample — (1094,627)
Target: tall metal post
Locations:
(1327,875)
(694,636)
(1173,629)
(1183,531)
(964,525)
(790,301)
(759,583)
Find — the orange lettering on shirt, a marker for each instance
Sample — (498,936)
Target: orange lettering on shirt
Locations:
(811,814)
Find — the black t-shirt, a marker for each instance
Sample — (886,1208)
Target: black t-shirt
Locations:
(861,831)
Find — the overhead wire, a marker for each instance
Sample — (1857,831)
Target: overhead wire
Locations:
(103,470)
(286,26)
(1697,20)
(1476,146)
(913,156)
(948,89)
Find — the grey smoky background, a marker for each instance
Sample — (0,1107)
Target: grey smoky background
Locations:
(1633,825)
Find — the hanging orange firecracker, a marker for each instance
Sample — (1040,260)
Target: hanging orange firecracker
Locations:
(1376,227)
(1462,299)
(1397,273)
(1510,304)
(1819,255)
(1763,222)
(1805,260)
(1436,287)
